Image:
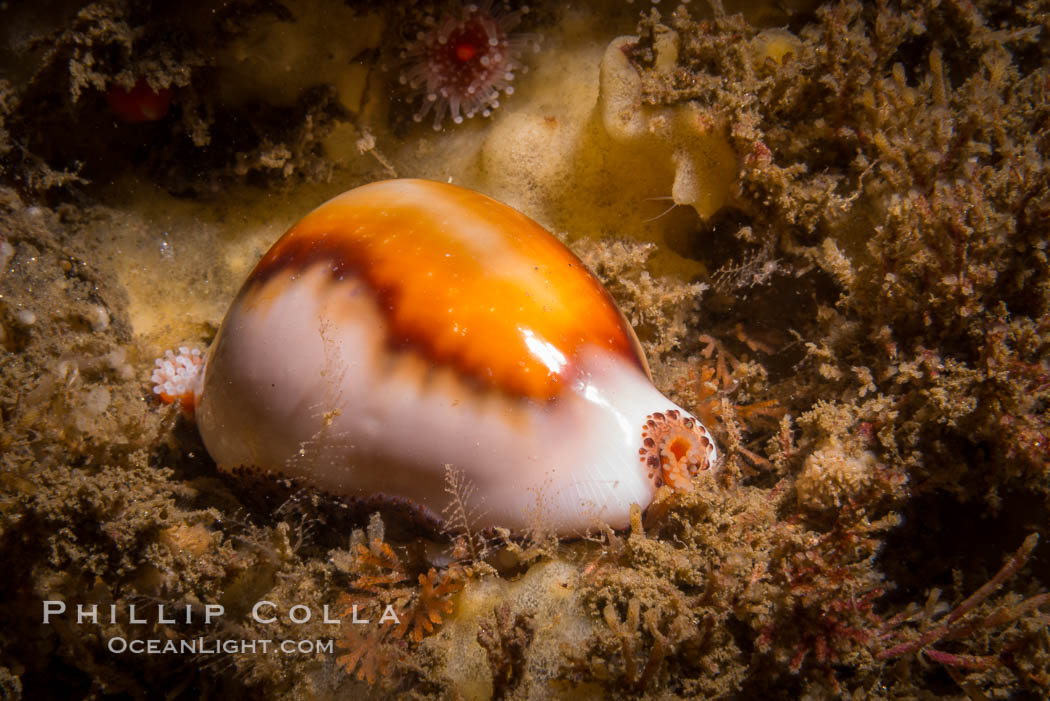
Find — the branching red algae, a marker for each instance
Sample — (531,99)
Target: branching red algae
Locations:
(873,350)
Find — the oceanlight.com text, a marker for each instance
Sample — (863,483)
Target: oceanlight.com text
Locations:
(205,646)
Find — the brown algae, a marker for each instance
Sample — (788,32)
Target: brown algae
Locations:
(860,307)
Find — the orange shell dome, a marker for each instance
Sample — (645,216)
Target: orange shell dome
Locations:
(407,328)
(448,267)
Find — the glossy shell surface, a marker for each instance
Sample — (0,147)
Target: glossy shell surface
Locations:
(409,325)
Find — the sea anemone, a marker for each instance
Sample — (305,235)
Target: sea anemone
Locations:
(139,104)
(675,448)
(461,63)
(178,376)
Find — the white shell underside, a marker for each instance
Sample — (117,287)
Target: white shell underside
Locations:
(301,382)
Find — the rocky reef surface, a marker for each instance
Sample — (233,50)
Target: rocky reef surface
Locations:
(828,223)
